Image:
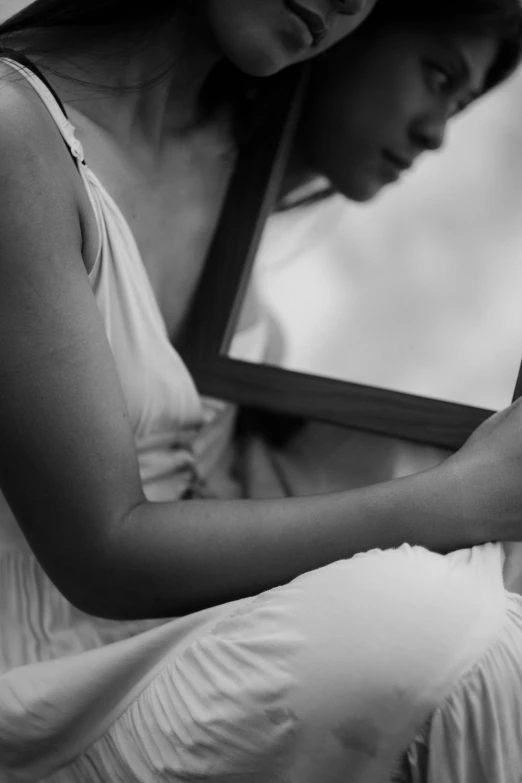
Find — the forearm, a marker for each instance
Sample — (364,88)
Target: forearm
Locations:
(168,559)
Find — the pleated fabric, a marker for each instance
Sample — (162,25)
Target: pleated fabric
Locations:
(475,736)
(327,678)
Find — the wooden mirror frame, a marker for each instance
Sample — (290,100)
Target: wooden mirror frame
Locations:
(210,326)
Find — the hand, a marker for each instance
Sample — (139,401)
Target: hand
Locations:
(488,475)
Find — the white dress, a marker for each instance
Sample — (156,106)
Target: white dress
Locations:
(328,678)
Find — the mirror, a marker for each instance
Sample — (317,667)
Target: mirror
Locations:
(402,315)
(419,291)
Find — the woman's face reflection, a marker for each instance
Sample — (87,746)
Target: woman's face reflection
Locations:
(378,101)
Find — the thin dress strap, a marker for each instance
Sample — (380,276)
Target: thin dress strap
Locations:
(56,109)
(54,105)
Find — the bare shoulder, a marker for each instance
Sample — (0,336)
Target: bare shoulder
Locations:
(35,160)
(32,150)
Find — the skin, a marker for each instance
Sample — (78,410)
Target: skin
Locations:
(394,91)
(64,424)
(262,38)
(149,146)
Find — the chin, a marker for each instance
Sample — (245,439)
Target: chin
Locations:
(359,191)
(255,55)
(258,62)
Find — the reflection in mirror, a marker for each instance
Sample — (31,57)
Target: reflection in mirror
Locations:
(419,290)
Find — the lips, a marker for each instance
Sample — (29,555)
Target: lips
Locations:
(402,162)
(313,19)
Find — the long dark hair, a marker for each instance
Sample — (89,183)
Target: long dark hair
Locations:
(95,13)
(496,19)
(42,28)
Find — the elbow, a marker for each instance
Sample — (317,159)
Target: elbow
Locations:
(122,605)
(129,574)
(98,578)
(95,584)
(114,591)
(112,596)
(93,592)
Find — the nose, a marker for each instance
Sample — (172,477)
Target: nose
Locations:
(350,7)
(429,133)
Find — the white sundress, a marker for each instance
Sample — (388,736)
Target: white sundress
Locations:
(325,680)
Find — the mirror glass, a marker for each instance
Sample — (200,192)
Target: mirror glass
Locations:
(417,291)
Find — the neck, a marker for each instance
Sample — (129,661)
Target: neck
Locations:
(114,89)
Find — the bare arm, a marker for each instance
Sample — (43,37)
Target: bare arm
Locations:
(68,465)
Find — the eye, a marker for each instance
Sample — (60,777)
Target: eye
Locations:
(440,78)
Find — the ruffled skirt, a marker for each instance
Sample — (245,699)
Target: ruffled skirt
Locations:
(328,679)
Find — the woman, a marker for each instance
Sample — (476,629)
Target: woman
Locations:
(325,678)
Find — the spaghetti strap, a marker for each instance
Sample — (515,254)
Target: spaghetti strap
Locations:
(53,103)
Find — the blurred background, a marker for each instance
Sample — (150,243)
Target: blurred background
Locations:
(8,7)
